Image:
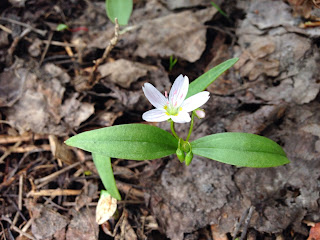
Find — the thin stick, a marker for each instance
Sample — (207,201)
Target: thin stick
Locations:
(46,48)
(54,175)
(8,152)
(39,31)
(246,223)
(17,229)
(54,192)
(238,225)
(92,80)
(29,148)
(5,29)
(6,139)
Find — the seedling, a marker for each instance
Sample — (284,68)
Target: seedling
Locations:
(146,142)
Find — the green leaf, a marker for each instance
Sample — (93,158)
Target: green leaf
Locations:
(219,10)
(62,27)
(120,9)
(104,167)
(130,141)
(202,82)
(240,149)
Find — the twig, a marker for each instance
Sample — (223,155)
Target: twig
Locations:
(46,48)
(6,139)
(245,219)
(20,192)
(5,29)
(92,79)
(238,225)
(52,176)
(9,151)
(39,31)
(18,230)
(246,223)
(54,192)
(27,225)
(63,44)
(15,219)
(126,188)
(29,148)
(16,41)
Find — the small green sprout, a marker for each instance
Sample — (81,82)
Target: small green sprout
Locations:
(172,62)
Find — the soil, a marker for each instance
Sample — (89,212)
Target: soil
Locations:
(55,84)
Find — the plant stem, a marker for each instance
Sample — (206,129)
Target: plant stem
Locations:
(172,129)
(191,126)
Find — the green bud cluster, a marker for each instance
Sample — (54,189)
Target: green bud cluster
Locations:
(184,152)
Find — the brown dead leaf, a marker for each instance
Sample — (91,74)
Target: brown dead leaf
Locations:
(75,112)
(83,226)
(35,48)
(37,102)
(281,51)
(182,35)
(123,72)
(267,14)
(61,151)
(106,119)
(54,72)
(127,232)
(12,84)
(47,222)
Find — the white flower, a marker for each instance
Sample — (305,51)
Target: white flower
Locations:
(176,106)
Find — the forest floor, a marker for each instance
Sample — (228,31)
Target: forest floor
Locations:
(49,92)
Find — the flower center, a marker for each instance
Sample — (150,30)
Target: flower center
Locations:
(171,110)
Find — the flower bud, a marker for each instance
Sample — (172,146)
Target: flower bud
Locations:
(200,113)
(189,157)
(180,155)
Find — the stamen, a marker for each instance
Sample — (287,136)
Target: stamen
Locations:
(166,94)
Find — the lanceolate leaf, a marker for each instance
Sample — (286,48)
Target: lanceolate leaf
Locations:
(240,149)
(120,9)
(130,141)
(103,165)
(202,82)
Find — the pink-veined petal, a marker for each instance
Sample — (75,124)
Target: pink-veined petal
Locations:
(155,97)
(179,90)
(182,117)
(155,115)
(195,101)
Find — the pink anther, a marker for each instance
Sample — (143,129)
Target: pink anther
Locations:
(166,94)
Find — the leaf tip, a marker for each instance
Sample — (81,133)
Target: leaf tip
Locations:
(69,142)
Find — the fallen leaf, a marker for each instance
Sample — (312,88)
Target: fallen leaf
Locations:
(182,35)
(12,84)
(75,112)
(83,226)
(123,72)
(47,222)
